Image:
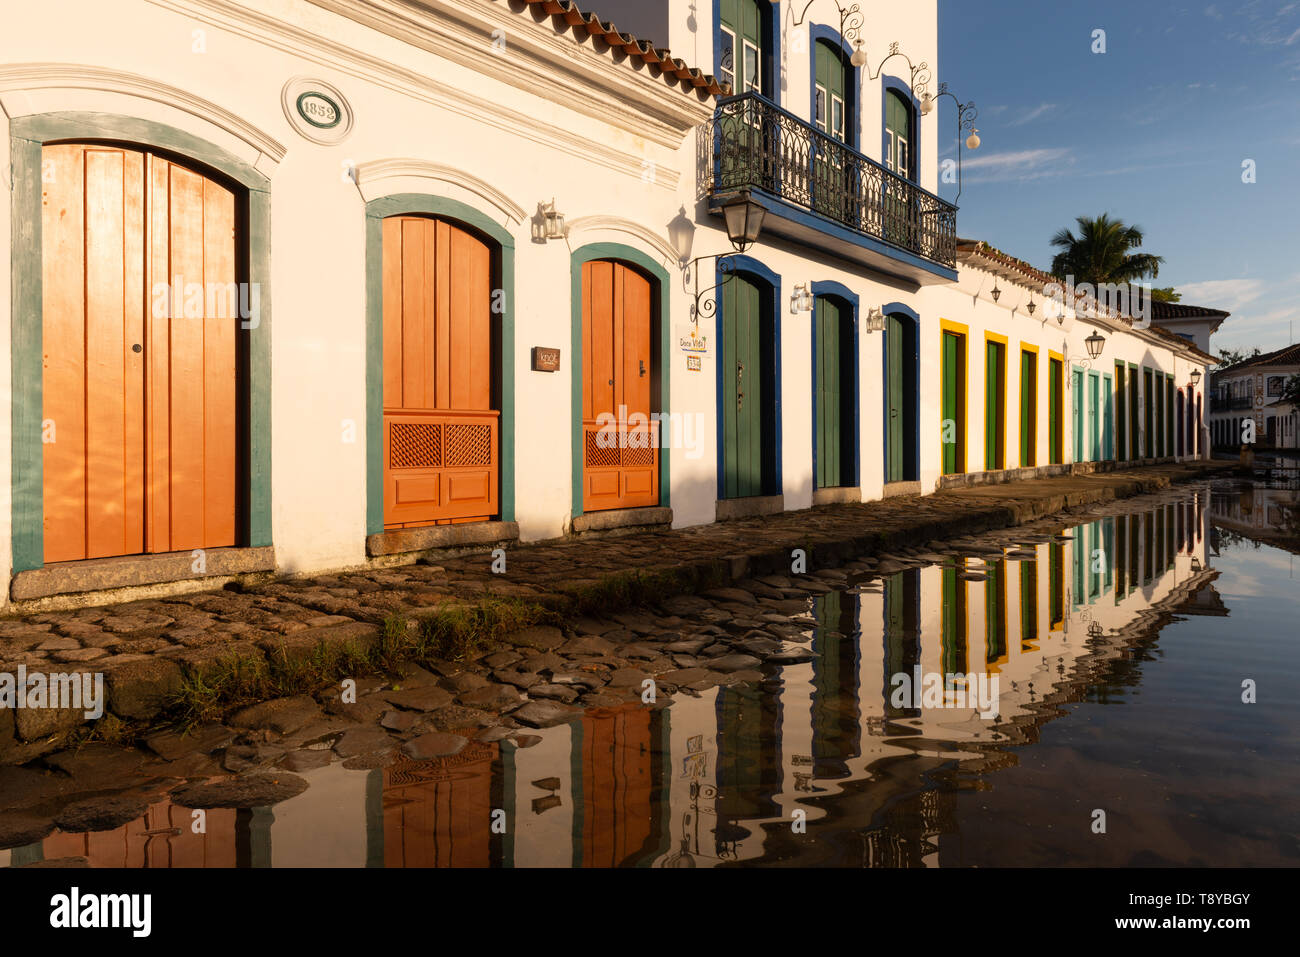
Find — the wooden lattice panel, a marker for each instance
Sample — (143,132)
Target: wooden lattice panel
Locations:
(414,445)
(469,445)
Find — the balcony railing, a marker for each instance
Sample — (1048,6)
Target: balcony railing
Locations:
(757,145)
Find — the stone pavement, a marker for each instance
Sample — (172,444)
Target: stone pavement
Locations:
(144,648)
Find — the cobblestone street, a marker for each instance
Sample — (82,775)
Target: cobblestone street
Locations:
(145,648)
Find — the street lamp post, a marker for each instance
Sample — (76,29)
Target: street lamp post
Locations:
(744,217)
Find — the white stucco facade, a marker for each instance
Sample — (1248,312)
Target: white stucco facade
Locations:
(481,108)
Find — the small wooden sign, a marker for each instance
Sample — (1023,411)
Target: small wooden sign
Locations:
(546,359)
(693,363)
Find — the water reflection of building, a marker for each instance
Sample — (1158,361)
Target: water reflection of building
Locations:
(717,779)
(1267,514)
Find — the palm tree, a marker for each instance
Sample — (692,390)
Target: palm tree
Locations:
(1101,253)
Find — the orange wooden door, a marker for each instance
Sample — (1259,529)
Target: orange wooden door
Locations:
(440,430)
(139,389)
(620,443)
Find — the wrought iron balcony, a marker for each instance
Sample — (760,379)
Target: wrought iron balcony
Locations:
(756,145)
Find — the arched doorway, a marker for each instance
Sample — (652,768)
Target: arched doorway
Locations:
(901,393)
(619,382)
(441,395)
(835,389)
(142,289)
(748,387)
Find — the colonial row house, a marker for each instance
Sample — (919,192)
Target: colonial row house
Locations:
(1252,395)
(314,284)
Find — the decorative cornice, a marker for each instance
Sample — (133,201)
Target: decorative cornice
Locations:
(619,224)
(278,34)
(376,171)
(72,76)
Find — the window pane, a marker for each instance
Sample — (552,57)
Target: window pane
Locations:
(727,57)
(837,116)
(752,79)
(820,110)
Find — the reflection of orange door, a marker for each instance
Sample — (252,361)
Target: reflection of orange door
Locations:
(440,431)
(620,444)
(139,382)
(618,820)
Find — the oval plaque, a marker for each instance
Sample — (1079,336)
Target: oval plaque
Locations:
(317,110)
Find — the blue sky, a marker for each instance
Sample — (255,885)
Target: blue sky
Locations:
(1153,131)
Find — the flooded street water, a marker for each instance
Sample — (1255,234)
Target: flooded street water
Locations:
(1117,647)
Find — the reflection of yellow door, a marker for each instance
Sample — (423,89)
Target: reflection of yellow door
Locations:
(440,430)
(139,380)
(620,443)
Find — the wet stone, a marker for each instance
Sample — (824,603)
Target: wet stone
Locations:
(305,760)
(691,646)
(627,677)
(420,699)
(101,814)
(398,721)
(359,741)
(495,697)
(565,693)
(59,644)
(543,637)
(171,745)
(502,659)
(526,740)
(253,790)
(19,830)
(587,645)
(239,758)
(434,745)
(729,663)
(370,762)
(464,681)
(281,715)
(521,680)
(544,714)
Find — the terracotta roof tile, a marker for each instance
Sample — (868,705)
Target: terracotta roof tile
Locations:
(690,77)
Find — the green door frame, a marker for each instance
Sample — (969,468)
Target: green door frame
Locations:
(423,204)
(660,284)
(1107,417)
(27,136)
(1076,390)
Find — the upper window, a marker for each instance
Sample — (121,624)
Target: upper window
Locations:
(898,134)
(740,57)
(831,84)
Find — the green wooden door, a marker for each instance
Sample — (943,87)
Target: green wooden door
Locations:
(831,424)
(1107,418)
(995,391)
(1134,420)
(742,389)
(1121,413)
(895,394)
(1028,409)
(953,424)
(1148,407)
(1076,388)
(1054,411)
(1094,420)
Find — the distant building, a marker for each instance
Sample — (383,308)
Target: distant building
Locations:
(1194,323)
(1253,389)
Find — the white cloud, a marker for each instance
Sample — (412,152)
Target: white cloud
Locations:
(1229,294)
(1041,110)
(1019,166)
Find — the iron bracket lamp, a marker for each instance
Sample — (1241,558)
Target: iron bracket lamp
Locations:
(744,217)
(1195,377)
(1095,343)
(851,20)
(966,115)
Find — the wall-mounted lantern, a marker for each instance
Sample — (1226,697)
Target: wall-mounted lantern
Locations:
(875,321)
(801,300)
(552,221)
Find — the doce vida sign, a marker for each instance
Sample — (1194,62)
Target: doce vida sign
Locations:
(546,359)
